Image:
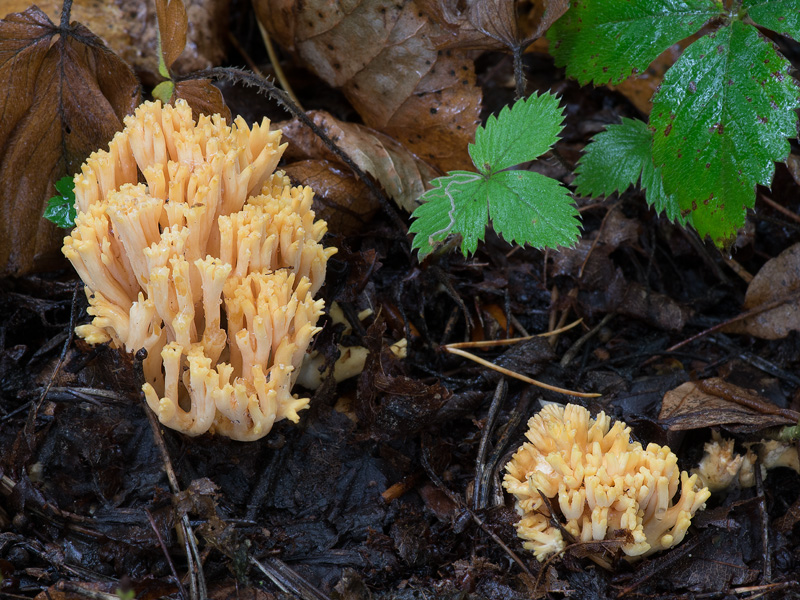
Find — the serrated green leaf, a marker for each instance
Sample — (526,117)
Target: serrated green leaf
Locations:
(455,204)
(781,16)
(518,134)
(619,157)
(605,41)
(61,209)
(720,120)
(530,208)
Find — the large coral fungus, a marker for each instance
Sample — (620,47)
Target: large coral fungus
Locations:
(600,485)
(193,248)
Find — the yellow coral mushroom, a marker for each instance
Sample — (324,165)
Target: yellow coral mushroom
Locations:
(193,248)
(601,485)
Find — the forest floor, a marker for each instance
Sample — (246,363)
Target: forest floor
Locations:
(389,487)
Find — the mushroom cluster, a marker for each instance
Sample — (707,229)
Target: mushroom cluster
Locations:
(192,247)
(601,485)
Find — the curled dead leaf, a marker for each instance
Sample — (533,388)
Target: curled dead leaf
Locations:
(689,407)
(397,170)
(63,94)
(777,281)
(382,55)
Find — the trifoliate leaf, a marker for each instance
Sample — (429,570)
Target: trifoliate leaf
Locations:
(519,134)
(61,208)
(455,204)
(530,208)
(605,41)
(619,157)
(782,16)
(720,120)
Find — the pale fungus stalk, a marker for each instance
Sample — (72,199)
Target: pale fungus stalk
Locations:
(601,485)
(193,248)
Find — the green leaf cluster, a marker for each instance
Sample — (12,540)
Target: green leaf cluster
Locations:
(525,207)
(720,119)
(61,208)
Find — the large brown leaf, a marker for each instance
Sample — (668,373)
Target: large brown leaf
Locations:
(397,170)
(63,94)
(129,28)
(382,55)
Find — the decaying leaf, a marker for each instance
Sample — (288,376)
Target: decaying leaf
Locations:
(202,96)
(688,407)
(401,174)
(63,94)
(499,19)
(129,28)
(382,55)
(779,278)
(340,198)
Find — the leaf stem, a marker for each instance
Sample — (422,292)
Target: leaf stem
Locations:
(519,72)
(66,10)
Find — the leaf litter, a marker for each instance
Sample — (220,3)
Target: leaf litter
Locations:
(84,498)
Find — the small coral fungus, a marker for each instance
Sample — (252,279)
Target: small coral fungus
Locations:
(193,248)
(600,485)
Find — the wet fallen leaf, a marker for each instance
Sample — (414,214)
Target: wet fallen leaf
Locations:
(688,407)
(398,171)
(339,196)
(499,19)
(382,55)
(129,28)
(63,94)
(778,278)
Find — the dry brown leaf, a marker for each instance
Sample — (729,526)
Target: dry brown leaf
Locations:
(202,96)
(399,172)
(173,23)
(508,21)
(339,196)
(63,94)
(492,24)
(382,55)
(688,407)
(129,28)
(778,278)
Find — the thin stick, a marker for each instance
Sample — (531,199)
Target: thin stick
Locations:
(73,317)
(781,209)
(483,448)
(508,341)
(519,376)
(573,350)
(181,589)
(273,58)
(460,503)
(741,316)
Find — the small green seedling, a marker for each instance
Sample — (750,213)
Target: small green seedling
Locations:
(61,208)
(525,207)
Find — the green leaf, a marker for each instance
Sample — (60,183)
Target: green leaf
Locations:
(455,204)
(530,208)
(720,120)
(781,16)
(619,157)
(163,91)
(519,134)
(606,41)
(61,209)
